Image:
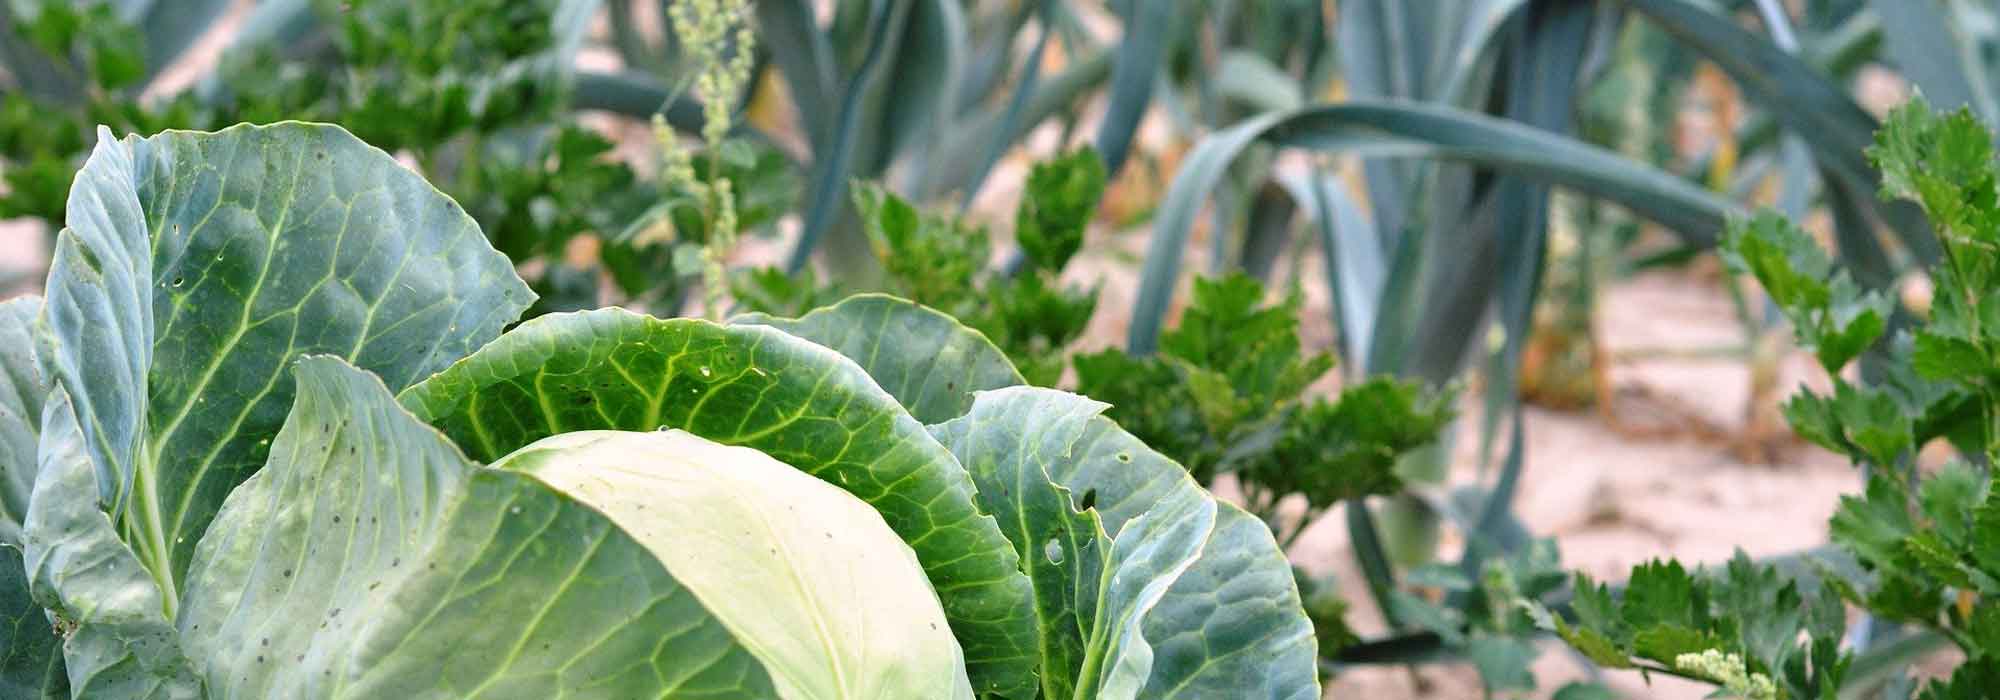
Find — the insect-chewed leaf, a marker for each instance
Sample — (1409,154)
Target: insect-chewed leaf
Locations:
(1135,566)
(122,644)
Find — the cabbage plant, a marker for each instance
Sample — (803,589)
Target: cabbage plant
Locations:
(265,438)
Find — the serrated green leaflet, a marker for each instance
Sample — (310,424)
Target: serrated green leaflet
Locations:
(758,387)
(1185,592)
(929,361)
(197,266)
(120,643)
(21,393)
(811,580)
(31,666)
(372,559)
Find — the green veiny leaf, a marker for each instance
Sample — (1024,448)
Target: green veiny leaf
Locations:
(742,531)
(749,385)
(197,266)
(1212,577)
(22,390)
(1389,128)
(1236,602)
(367,560)
(1091,592)
(31,661)
(929,361)
(119,641)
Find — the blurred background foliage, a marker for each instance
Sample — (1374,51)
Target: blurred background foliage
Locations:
(1457,177)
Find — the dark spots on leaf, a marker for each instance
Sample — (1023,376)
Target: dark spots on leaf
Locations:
(267,641)
(336,520)
(1125,457)
(585,400)
(260,658)
(288,573)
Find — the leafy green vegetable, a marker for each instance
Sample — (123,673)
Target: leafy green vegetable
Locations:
(927,360)
(612,369)
(1113,534)
(230,501)
(370,557)
(882,635)
(197,266)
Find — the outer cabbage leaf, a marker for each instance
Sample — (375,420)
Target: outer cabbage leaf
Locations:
(1172,595)
(22,390)
(798,402)
(810,578)
(372,559)
(31,666)
(925,358)
(197,266)
(119,642)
